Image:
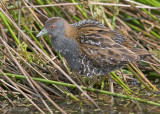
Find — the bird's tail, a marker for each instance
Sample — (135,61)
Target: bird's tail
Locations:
(141,52)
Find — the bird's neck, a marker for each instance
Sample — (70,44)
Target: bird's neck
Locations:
(68,48)
(64,37)
(70,31)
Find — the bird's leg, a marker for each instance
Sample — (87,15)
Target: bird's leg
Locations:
(93,81)
(111,89)
(99,80)
(110,81)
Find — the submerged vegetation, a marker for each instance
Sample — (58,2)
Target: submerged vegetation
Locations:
(33,74)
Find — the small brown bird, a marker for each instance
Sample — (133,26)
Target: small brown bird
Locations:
(90,48)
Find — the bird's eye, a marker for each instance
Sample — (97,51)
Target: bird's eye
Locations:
(52,26)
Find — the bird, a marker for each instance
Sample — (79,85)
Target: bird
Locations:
(89,47)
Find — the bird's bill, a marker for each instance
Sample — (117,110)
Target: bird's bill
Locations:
(42,32)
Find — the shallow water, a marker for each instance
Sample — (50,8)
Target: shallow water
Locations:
(118,105)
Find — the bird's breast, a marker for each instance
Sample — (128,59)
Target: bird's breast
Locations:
(69,50)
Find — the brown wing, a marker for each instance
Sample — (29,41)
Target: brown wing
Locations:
(97,44)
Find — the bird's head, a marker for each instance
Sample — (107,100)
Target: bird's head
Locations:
(53,26)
